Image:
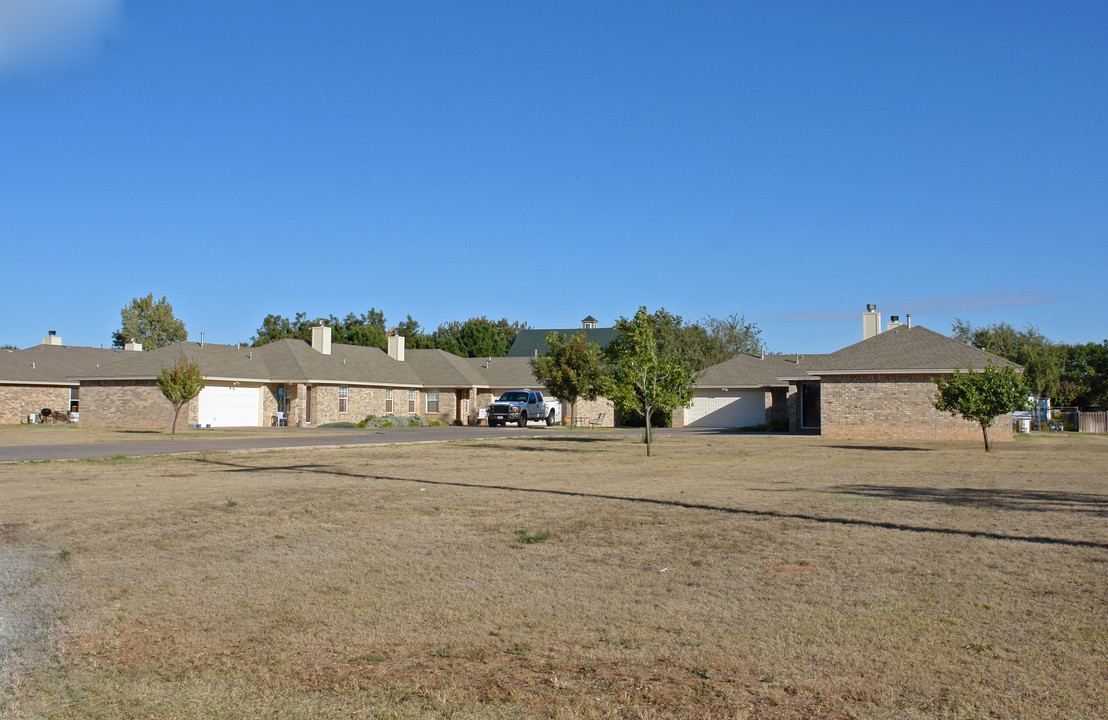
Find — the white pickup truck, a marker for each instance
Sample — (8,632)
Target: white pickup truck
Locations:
(521,407)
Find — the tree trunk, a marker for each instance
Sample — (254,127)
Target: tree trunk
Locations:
(176,412)
(646,415)
(985,432)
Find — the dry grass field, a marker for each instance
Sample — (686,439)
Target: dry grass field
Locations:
(725,577)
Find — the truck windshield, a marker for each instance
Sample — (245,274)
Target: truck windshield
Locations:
(516,396)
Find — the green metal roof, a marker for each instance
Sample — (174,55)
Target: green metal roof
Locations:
(531,342)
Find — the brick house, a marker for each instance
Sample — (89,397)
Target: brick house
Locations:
(297,383)
(41,377)
(879,388)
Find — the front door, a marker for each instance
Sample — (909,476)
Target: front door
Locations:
(809,406)
(308,405)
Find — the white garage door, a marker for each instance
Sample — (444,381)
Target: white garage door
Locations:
(234,406)
(732,409)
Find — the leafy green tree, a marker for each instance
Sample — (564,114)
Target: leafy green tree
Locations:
(8,347)
(1085,375)
(706,343)
(367,329)
(180,384)
(570,369)
(277,327)
(645,375)
(414,337)
(982,397)
(1042,360)
(477,337)
(149,322)
(730,336)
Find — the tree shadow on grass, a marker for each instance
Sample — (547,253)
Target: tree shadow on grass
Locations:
(881,448)
(1021,500)
(325,470)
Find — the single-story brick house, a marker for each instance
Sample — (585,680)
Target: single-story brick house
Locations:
(879,388)
(294,382)
(41,377)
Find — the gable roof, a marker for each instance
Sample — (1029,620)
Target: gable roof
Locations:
(531,342)
(905,350)
(51,364)
(505,372)
(753,371)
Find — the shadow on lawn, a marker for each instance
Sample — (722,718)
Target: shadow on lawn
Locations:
(879,448)
(322,469)
(1025,500)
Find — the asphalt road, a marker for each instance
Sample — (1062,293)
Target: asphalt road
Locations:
(285,440)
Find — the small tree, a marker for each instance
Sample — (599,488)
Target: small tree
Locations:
(149,322)
(180,384)
(982,396)
(570,369)
(642,377)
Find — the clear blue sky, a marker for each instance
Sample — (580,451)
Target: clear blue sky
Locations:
(789,162)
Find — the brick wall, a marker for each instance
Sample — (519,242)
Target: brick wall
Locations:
(19,401)
(130,404)
(894,407)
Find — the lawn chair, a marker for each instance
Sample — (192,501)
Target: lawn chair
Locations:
(598,422)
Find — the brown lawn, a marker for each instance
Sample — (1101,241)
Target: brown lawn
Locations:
(729,577)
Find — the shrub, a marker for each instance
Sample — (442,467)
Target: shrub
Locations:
(339,425)
(388,421)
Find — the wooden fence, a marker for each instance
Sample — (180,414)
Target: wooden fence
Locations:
(1093,422)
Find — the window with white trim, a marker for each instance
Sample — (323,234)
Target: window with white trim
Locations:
(388,401)
(344,398)
(413,399)
(432,402)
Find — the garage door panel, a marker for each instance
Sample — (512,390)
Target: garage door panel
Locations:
(731,410)
(230,406)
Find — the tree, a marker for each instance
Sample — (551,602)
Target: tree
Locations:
(477,337)
(150,323)
(646,376)
(982,396)
(1042,360)
(1085,375)
(180,384)
(414,337)
(570,369)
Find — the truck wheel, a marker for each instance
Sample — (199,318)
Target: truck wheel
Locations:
(523,419)
(550,419)
(492,423)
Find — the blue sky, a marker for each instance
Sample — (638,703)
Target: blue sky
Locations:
(790,162)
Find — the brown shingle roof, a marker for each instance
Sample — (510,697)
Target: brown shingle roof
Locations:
(506,372)
(51,364)
(905,349)
(753,371)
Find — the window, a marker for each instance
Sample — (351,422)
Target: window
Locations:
(432,401)
(413,398)
(388,401)
(74,399)
(344,398)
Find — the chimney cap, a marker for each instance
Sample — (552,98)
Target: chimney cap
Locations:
(53,333)
(871,307)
